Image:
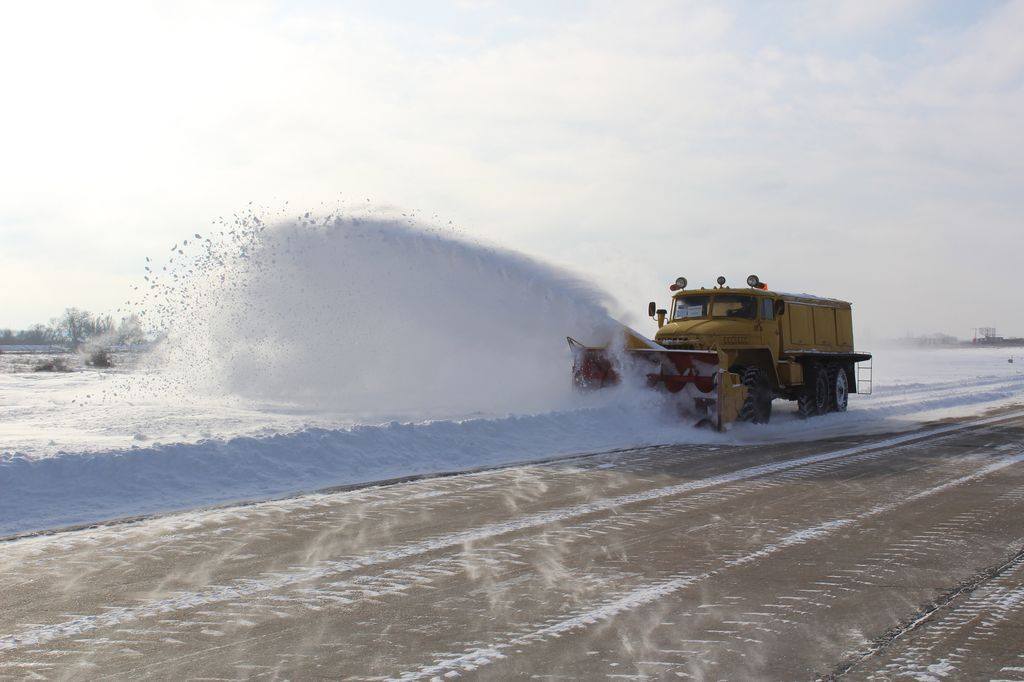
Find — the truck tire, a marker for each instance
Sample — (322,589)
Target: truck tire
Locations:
(839,388)
(814,398)
(757,407)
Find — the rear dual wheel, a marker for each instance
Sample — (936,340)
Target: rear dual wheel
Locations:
(839,388)
(826,389)
(814,398)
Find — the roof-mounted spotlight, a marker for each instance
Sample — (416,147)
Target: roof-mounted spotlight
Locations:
(680,283)
(755,283)
(721,281)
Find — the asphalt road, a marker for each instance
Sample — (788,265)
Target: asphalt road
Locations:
(882,557)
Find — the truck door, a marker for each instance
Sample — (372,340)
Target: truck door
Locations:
(770,326)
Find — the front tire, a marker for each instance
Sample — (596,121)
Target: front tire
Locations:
(757,407)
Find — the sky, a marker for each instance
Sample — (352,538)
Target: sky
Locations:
(871,151)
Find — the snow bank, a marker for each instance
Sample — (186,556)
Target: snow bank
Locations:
(71,489)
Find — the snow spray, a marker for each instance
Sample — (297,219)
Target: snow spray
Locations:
(370,314)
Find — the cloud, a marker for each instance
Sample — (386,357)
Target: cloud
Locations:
(634,142)
(856,16)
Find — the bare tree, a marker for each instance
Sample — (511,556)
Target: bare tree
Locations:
(76,327)
(38,333)
(130,331)
(73,327)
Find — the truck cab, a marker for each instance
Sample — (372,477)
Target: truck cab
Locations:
(721,318)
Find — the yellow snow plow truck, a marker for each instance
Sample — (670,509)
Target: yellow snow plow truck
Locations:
(732,351)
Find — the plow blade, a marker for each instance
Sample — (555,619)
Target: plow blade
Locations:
(715,395)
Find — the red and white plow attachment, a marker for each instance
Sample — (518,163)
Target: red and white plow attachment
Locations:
(714,393)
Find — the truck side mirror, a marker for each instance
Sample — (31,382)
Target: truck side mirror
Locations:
(780,307)
(651,309)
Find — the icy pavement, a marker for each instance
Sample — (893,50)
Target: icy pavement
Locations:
(88,446)
(875,557)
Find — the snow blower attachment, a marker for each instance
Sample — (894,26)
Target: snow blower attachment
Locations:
(732,351)
(714,395)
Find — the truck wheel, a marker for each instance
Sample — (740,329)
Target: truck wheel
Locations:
(839,388)
(757,407)
(814,398)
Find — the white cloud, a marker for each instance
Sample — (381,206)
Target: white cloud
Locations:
(858,16)
(632,142)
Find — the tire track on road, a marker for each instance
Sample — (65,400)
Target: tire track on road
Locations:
(476,657)
(960,611)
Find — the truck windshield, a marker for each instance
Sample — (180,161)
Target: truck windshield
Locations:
(734,306)
(691,307)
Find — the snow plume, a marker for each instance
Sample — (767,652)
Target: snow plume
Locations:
(371,315)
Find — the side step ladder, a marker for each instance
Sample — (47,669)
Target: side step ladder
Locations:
(865,376)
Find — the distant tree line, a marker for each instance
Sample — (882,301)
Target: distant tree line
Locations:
(76,327)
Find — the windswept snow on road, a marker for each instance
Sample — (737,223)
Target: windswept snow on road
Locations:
(870,557)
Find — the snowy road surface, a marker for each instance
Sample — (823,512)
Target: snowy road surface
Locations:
(865,557)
